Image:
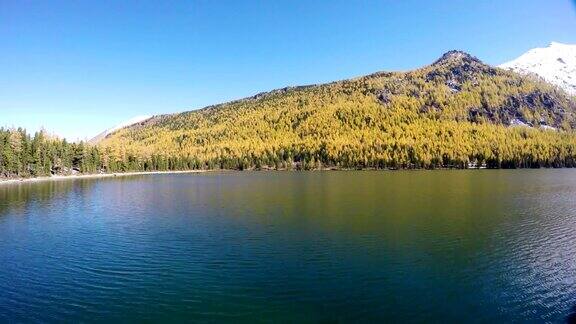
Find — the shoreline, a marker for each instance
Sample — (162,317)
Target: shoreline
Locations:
(127,174)
(91,176)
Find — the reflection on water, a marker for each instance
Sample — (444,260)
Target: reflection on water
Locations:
(318,246)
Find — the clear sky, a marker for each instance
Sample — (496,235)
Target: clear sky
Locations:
(79,67)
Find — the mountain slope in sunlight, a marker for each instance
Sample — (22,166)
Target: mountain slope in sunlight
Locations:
(449,113)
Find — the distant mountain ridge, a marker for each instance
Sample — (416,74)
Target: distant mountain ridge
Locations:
(555,64)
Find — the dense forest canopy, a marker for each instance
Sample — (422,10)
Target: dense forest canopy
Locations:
(24,155)
(452,113)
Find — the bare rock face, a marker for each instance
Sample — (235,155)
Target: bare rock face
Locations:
(456,67)
(513,111)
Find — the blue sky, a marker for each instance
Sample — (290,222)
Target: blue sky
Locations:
(79,67)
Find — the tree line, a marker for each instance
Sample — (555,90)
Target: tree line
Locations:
(430,146)
(24,155)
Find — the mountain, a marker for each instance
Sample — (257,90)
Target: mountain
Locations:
(130,122)
(455,111)
(555,64)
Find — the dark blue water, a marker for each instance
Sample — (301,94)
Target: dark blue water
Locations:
(440,246)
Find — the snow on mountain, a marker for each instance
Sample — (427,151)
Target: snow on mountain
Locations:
(130,122)
(556,64)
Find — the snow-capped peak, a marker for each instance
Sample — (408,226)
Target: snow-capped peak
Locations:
(556,64)
(130,122)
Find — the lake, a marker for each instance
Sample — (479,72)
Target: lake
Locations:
(350,246)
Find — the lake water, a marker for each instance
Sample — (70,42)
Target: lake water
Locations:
(422,246)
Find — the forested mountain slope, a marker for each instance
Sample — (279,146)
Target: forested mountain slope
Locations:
(455,111)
